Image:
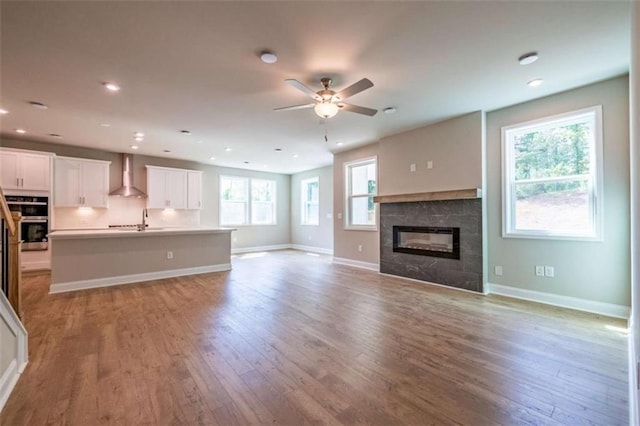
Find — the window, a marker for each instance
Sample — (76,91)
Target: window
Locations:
(552,177)
(245,201)
(263,202)
(310,201)
(360,178)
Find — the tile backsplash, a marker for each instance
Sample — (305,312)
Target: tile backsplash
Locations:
(121,211)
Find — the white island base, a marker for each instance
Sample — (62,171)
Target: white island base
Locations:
(86,259)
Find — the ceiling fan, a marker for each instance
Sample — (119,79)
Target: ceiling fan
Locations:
(327,101)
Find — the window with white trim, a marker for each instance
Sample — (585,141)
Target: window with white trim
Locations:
(263,202)
(552,177)
(246,201)
(310,197)
(361,186)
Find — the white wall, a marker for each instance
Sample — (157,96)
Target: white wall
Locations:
(634,323)
(13,349)
(596,271)
(317,236)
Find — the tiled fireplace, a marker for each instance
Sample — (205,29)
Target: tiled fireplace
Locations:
(433,239)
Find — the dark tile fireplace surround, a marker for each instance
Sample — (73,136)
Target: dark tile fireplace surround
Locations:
(462,216)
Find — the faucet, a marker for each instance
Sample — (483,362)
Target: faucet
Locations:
(142,226)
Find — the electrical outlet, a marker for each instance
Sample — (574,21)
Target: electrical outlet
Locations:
(412,167)
(498,270)
(360,248)
(329,216)
(539,271)
(339,215)
(169,255)
(549,271)
(429,164)
(235,240)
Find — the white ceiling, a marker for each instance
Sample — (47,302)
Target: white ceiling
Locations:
(195,66)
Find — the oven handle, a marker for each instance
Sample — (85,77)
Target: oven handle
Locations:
(27,203)
(34,221)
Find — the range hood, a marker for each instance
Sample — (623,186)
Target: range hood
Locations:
(127,189)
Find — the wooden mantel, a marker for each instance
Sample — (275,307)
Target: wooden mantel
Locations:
(457,194)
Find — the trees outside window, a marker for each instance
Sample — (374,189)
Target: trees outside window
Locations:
(552,177)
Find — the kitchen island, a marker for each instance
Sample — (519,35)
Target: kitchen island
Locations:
(82,259)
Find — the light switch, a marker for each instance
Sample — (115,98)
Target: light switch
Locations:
(429,164)
(412,167)
(339,215)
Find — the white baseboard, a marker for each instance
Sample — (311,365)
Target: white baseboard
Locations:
(135,278)
(608,309)
(312,249)
(356,263)
(9,377)
(260,248)
(634,416)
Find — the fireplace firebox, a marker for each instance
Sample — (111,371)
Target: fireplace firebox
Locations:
(427,241)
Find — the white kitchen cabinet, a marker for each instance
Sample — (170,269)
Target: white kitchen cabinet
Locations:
(194,190)
(25,171)
(166,188)
(81,183)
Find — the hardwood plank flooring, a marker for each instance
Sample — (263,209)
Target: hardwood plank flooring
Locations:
(292,339)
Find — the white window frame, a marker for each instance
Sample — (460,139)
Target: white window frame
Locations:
(248,219)
(273,202)
(348,196)
(305,203)
(595,179)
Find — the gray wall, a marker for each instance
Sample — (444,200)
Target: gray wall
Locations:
(320,236)
(588,270)
(346,241)
(634,322)
(245,236)
(454,147)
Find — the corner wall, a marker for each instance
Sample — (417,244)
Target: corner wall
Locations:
(595,271)
(313,236)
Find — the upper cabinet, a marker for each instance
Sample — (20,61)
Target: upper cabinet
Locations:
(81,183)
(24,171)
(194,190)
(173,188)
(166,188)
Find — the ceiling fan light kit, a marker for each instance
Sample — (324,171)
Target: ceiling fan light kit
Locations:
(326,109)
(328,102)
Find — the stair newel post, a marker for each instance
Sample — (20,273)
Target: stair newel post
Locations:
(15,273)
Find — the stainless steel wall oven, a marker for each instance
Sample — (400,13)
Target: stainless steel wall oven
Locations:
(35,220)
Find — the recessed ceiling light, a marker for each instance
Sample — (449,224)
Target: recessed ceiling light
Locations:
(166,150)
(55,135)
(105,125)
(389,110)
(112,87)
(228,149)
(38,105)
(185,132)
(340,143)
(133,146)
(138,139)
(21,131)
(528,58)
(278,149)
(535,82)
(212,158)
(268,57)
(246,162)
(138,134)
(3,111)
(295,155)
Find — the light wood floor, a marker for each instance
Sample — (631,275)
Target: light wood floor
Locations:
(292,339)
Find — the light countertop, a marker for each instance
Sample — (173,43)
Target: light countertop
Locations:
(70,234)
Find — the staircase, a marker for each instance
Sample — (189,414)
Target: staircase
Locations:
(13,335)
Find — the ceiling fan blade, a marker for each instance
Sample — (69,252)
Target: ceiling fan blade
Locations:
(307,90)
(355,88)
(358,109)
(289,108)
